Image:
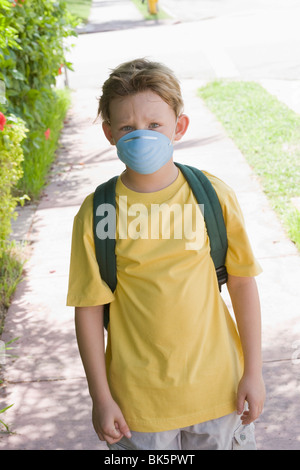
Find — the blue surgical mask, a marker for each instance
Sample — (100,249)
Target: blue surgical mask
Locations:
(144,151)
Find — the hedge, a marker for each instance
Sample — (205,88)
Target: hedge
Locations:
(32,49)
(32,53)
(12,132)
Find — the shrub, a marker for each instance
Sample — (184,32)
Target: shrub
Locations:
(50,107)
(12,132)
(34,51)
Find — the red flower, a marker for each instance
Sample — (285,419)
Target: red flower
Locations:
(60,69)
(16,2)
(47,134)
(2,121)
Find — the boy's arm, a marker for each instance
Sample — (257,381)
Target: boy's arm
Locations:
(246,306)
(108,419)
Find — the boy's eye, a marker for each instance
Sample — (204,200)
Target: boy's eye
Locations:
(154,125)
(127,128)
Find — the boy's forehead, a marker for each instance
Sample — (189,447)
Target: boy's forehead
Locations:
(146,102)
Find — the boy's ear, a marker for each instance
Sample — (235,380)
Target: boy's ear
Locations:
(107,131)
(182,126)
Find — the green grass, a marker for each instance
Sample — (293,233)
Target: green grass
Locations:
(2,422)
(268,134)
(143,8)
(80,9)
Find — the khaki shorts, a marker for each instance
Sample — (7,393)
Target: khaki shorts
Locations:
(226,433)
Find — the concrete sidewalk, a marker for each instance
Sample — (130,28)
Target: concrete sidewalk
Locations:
(45,379)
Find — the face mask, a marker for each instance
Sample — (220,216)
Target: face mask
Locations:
(144,151)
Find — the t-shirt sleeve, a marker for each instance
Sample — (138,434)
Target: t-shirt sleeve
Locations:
(86,288)
(240,260)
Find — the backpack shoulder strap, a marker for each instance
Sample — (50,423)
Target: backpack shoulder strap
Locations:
(205,194)
(105,194)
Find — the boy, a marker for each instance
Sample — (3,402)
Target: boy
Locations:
(176,373)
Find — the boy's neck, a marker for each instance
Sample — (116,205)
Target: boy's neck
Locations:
(153,182)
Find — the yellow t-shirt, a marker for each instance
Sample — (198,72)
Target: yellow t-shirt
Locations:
(173,355)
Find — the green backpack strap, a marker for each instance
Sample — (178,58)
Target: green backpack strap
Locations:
(205,194)
(105,247)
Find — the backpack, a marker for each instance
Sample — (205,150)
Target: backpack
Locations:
(204,193)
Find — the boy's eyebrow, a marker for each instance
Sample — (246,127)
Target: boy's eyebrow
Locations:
(127,120)
(122,121)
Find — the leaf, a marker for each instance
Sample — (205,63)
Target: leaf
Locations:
(4,409)
(17,75)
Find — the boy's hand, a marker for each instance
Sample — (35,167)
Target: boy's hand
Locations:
(252,390)
(109,422)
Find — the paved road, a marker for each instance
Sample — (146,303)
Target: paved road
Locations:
(249,40)
(193,10)
(256,39)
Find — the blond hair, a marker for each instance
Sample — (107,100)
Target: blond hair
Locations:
(137,76)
